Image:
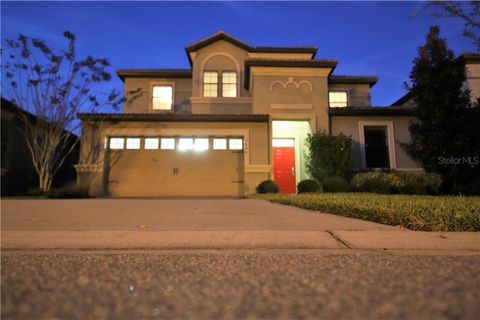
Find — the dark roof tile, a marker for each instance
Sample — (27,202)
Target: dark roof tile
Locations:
(174,117)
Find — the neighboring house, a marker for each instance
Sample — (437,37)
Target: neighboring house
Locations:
(17,171)
(472,64)
(238,116)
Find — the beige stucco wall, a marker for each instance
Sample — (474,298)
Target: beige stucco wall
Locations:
(143,104)
(256,134)
(289,93)
(358,94)
(473,80)
(218,49)
(349,125)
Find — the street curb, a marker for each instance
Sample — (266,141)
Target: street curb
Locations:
(168,240)
(200,240)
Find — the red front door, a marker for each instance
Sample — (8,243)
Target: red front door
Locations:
(284,168)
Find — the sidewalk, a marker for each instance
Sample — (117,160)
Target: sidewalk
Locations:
(203,224)
(371,239)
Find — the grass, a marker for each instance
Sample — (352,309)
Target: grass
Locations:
(421,213)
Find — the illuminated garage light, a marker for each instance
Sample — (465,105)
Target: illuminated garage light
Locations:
(167,144)
(117,143)
(151,143)
(185,144)
(133,143)
(219,144)
(201,144)
(235,144)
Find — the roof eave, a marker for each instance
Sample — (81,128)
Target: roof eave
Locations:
(171,117)
(153,73)
(287,64)
(372,111)
(370,80)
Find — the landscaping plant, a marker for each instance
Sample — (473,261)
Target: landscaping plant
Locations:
(444,139)
(309,186)
(330,156)
(267,186)
(335,184)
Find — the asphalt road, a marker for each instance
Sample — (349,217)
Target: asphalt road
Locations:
(239,285)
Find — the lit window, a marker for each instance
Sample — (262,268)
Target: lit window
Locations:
(229,84)
(337,99)
(210,84)
(151,143)
(219,144)
(201,144)
(235,144)
(117,143)
(162,97)
(167,143)
(185,144)
(133,143)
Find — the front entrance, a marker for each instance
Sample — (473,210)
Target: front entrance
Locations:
(284,165)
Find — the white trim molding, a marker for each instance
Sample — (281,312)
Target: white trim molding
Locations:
(390,138)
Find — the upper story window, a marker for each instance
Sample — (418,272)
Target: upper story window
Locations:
(210,84)
(227,88)
(229,84)
(162,97)
(337,99)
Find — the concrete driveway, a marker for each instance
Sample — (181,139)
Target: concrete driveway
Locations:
(170,215)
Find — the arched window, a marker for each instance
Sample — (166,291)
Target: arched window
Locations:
(220,77)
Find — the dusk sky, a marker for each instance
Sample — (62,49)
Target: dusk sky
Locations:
(368,38)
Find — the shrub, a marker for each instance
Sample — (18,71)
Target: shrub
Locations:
(420,183)
(67,192)
(335,184)
(329,156)
(267,186)
(396,182)
(308,186)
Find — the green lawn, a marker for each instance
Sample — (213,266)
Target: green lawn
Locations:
(422,213)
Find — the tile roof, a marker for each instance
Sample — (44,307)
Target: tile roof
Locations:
(154,73)
(174,117)
(371,80)
(372,111)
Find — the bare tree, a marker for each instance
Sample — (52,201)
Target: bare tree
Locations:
(457,9)
(53,86)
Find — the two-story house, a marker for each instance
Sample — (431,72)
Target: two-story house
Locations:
(238,116)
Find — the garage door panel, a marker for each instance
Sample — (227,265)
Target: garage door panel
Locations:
(172,172)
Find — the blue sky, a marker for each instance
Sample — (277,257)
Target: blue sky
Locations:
(368,38)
